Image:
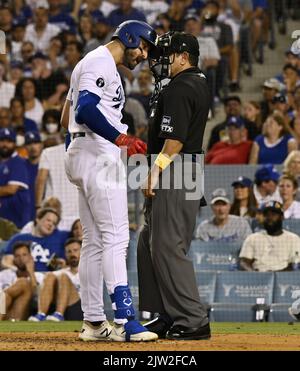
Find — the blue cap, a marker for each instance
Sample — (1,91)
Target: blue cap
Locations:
(32,137)
(243,181)
(8,134)
(267,172)
(272,205)
(16,64)
(236,121)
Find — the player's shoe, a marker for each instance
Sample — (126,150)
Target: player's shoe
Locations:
(295,316)
(131,331)
(37,318)
(55,317)
(91,333)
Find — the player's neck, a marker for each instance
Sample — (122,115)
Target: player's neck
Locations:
(116,49)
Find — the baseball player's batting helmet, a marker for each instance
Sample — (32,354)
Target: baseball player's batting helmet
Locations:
(130,34)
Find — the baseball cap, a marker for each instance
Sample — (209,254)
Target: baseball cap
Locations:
(32,137)
(16,64)
(272,84)
(184,42)
(279,98)
(191,16)
(232,97)
(219,194)
(39,55)
(42,4)
(267,172)
(8,134)
(243,181)
(272,205)
(236,121)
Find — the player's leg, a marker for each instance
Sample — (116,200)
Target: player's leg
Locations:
(18,297)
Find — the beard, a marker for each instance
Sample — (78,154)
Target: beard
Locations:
(274,228)
(6,152)
(128,60)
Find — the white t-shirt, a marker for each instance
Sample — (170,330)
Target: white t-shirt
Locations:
(58,185)
(73,277)
(293,212)
(263,199)
(97,73)
(36,113)
(9,276)
(271,253)
(7,91)
(42,42)
(208,49)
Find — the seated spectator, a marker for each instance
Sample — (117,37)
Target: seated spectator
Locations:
(273,146)
(291,166)
(16,72)
(45,240)
(34,149)
(27,52)
(7,89)
(288,186)
(59,17)
(73,53)
(252,113)
(270,88)
(244,202)
(26,90)
(19,284)
(236,150)
(125,12)
(291,78)
(18,35)
(281,108)
(76,230)
(14,182)
(295,128)
(7,229)
(273,249)
(266,185)
(232,107)
(151,8)
(143,95)
(19,122)
(86,30)
(62,288)
(51,135)
(4,118)
(222,227)
(55,53)
(6,17)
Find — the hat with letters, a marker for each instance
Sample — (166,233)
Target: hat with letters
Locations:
(242,181)
(32,137)
(8,134)
(272,206)
(219,194)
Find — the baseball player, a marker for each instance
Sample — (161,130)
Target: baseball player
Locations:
(92,114)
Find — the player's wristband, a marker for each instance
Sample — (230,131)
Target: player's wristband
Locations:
(162,161)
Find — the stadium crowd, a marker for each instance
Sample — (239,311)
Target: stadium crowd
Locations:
(38,205)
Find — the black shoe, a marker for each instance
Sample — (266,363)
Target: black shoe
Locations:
(178,332)
(159,326)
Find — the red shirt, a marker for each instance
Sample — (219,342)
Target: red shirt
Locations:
(228,154)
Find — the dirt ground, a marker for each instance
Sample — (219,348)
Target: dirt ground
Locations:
(68,341)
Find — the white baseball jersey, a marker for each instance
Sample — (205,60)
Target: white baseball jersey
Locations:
(97,73)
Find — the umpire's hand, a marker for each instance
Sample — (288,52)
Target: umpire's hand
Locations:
(151,182)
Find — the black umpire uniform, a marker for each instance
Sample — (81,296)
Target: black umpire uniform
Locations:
(167,282)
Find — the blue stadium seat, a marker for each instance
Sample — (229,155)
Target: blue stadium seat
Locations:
(285,284)
(236,294)
(213,256)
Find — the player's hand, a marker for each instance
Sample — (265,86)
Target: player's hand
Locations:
(134,145)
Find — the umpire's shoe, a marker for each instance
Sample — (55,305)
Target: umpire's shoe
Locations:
(178,332)
(95,333)
(131,331)
(160,326)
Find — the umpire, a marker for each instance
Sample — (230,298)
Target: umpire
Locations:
(167,283)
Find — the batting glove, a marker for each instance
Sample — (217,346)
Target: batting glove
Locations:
(133,144)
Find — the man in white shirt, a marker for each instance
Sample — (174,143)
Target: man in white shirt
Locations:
(7,89)
(41,32)
(266,185)
(273,249)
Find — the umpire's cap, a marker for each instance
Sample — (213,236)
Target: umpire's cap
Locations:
(130,34)
(184,42)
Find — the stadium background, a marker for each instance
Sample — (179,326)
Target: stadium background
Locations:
(84,30)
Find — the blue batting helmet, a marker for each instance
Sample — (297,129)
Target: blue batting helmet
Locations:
(130,34)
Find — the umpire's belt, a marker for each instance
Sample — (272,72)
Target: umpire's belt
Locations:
(77,135)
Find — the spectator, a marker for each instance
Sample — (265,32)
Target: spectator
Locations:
(151,8)
(45,240)
(21,11)
(102,31)
(27,52)
(97,8)
(7,89)
(50,84)
(59,18)
(34,149)
(62,287)
(252,113)
(86,32)
(281,108)
(145,90)
(236,150)
(259,26)
(273,146)
(176,14)
(7,229)
(266,185)
(244,202)
(76,230)
(6,19)
(18,34)
(291,78)
(19,122)
(125,12)
(26,90)
(288,187)
(16,72)
(270,88)
(222,227)
(55,53)
(51,134)
(4,118)
(291,166)
(273,249)
(232,107)
(73,54)
(14,182)
(19,284)
(52,181)
(41,32)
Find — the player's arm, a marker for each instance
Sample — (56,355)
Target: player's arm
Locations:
(64,120)
(88,113)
